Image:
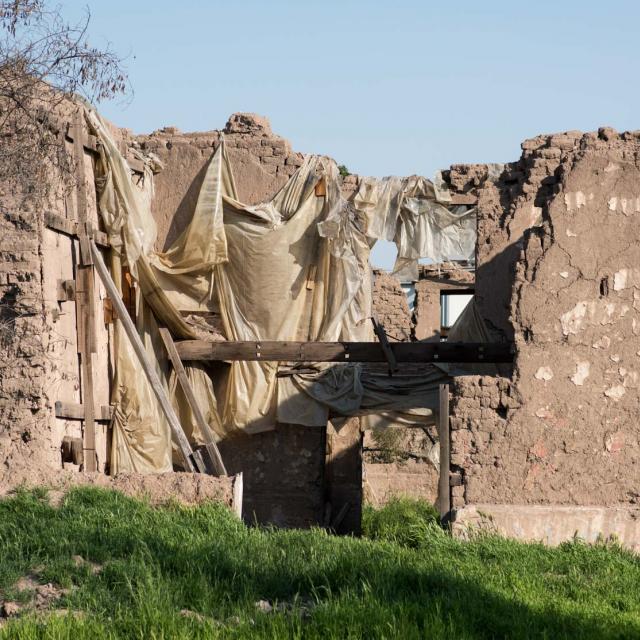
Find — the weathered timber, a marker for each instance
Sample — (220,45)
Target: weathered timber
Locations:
(72,450)
(444,436)
(181,374)
(85,298)
(147,365)
(72,228)
(384,343)
(75,411)
(345,351)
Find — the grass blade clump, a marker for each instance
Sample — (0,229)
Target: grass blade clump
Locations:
(125,569)
(404,521)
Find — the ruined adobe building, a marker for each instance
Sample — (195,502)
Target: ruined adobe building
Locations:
(541,449)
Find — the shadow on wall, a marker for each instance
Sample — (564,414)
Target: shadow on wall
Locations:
(184,212)
(283,474)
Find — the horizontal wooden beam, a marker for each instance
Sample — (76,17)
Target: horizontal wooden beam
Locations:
(71,228)
(345,351)
(75,411)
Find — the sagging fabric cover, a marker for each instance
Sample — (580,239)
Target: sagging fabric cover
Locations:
(411,212)
(293,268)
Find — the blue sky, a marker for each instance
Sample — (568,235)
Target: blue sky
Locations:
(384,87)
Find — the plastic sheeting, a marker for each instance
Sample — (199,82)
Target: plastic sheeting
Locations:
(411,212)
(311,398)
(293,268)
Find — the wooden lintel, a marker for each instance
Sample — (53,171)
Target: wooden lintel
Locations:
(75,411)
(345,351)
(72,228)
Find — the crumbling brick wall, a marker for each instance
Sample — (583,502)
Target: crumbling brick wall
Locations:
(391,307)
(564,429)
(38,340)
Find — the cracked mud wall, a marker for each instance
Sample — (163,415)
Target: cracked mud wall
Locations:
(563,221)
(38,343)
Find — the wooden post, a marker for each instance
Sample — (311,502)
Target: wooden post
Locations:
(85,300)
(146,363)
(444,436)
(183,380)
(238,490)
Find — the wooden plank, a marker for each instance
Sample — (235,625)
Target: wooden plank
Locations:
(444,436)
(75,411)
(238,491)
(345,351)
(187,389)
(147,365)
(78,156)
(85,299)
(384,343)
(464,198)
(71,228)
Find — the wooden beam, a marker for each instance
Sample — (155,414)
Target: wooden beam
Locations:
(145,361)
(384,343)
(72,228)
(183,380)
(75,411)
(444,436)
(345,351)
(238,490)
(85,299)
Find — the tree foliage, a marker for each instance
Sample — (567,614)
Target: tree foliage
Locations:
(44,61)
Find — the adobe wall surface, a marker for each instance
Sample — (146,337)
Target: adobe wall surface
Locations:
(435,279)
(38,344)
(400,462)
(283,474)
(564,429)
(262,163)
(390,306)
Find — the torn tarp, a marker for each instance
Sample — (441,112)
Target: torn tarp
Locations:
(293,268)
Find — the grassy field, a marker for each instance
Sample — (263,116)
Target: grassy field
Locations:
(123,569)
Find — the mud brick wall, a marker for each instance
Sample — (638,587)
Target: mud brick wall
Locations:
(38,340)
(399,461)
(433,281)
(24,419)
(283,474)
(565,429)
(391,307)
(262,163)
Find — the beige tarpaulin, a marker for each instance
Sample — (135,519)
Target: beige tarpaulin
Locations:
(294,268)
(411,212)
(311,398)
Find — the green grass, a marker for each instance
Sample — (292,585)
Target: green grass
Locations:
(409,579)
